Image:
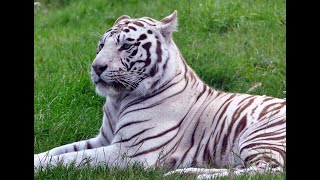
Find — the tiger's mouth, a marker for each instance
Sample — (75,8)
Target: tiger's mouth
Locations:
(115,85)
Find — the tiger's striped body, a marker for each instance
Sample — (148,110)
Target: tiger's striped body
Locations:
(158,112)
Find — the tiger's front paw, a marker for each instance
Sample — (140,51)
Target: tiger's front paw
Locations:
(41,155)
(41,161)
(36,163)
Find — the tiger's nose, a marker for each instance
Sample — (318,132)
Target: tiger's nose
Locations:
(99,68)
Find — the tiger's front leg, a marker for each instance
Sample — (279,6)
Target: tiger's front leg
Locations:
(108,155)
(92,143)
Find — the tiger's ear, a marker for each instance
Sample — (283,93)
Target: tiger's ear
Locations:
(121,18)
(168,25)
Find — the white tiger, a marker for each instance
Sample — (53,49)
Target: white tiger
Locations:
(158,111)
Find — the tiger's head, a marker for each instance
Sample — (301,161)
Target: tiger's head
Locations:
(132,56)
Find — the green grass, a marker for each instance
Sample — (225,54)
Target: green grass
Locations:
(232,45)
(131,173)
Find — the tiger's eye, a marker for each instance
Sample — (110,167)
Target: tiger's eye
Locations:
(126,46)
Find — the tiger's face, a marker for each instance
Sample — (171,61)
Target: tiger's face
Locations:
(131,55)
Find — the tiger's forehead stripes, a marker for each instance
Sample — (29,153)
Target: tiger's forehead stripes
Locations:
(127,26)
(142,37)
(137,23)
(141,22)
(150,19)
(133,28)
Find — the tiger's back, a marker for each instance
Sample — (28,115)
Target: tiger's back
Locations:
(204,126)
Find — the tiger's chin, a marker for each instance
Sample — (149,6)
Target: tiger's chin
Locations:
(110,90)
